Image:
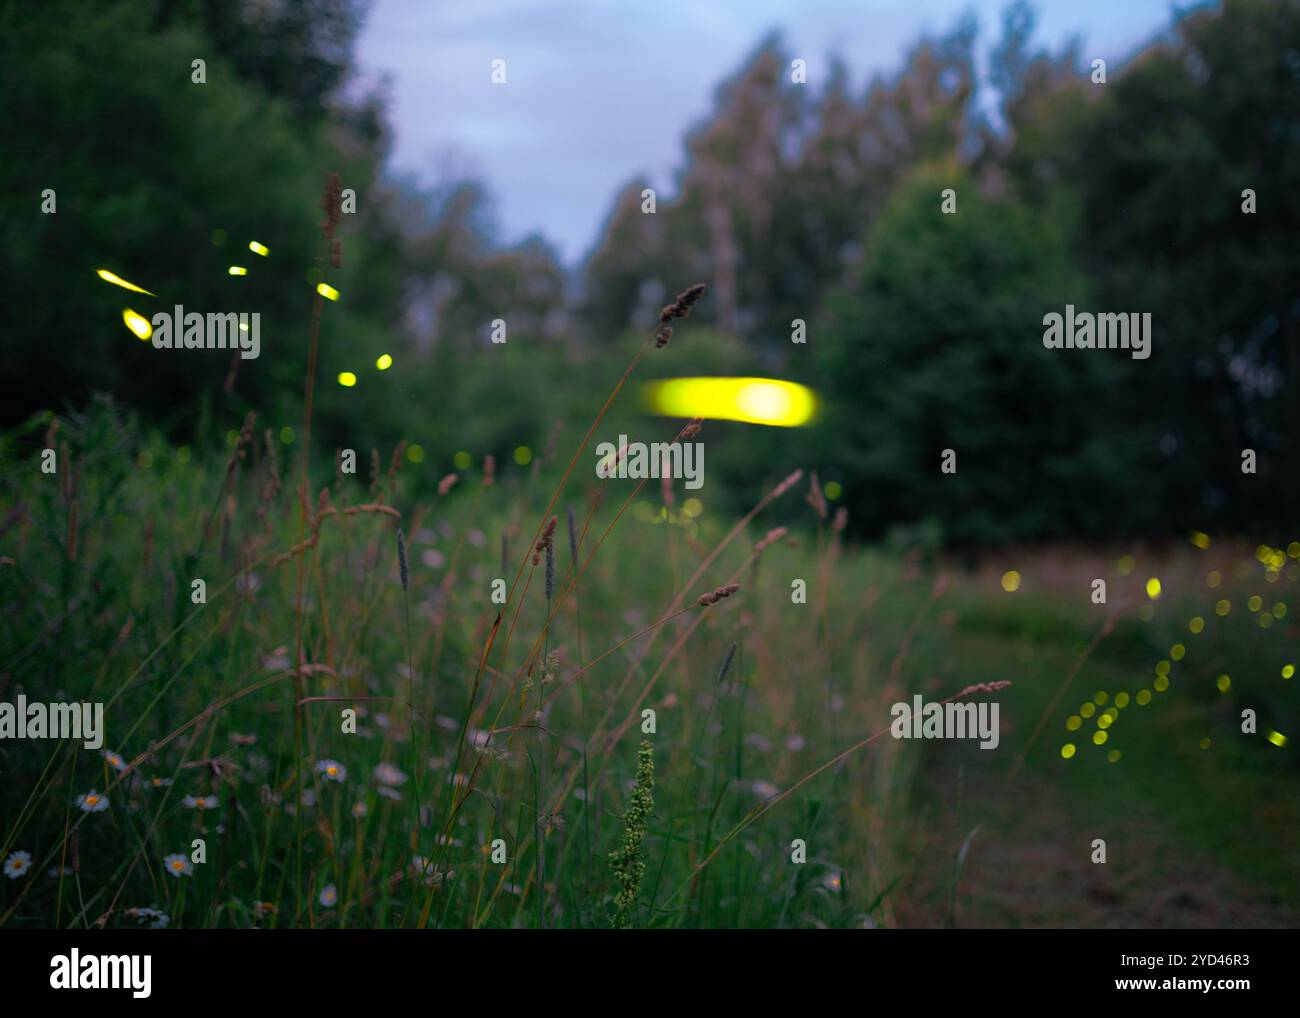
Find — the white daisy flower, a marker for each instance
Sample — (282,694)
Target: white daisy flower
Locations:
(17,864)
(178,865)
(332,770)
(387,774)
(114,759)
(199,802)
(92,802)
(156,782)
(329,897)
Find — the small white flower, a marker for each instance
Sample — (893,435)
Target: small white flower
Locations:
(332,770)
(329,897)
(114,759)
(92,802)
(178,865)
(764,789)
(17,864)
(156,782)
(199,802)
(387,774)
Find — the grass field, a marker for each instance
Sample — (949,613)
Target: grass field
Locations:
(601,748)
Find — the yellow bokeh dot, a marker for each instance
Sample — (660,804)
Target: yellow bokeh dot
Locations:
(1279,610)
(1224,683)
(1222,607)
(1104,721)
(1177,651)
(1265,620)
(1276,738)
(1214,578)
(1255,602)
(1126,564)
(287,435)
(1099,737)
(692,507)
(1100,698)
(1153,588)
(1067,750)
(1088,710)
(1288,671)
(462,460)
(415,453)
(1196,625)
(523,455)
(1205,743)
(1113,756)
(1161,683)
(1073,722)
(1010,581)
(1293,549)
(1121,699)
(347,379)
(833,490)
(384,361)
(1162,667)
(1143,697)
(1199,539)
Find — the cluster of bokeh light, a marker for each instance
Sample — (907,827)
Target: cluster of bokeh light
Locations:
(1103,711)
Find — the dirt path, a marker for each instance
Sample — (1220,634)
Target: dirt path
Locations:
(1030,864)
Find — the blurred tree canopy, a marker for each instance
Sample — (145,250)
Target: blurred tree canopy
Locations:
(816,202)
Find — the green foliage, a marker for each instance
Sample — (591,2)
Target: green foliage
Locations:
(626,860)
(938,346)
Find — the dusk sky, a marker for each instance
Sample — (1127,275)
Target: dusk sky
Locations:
(599,92)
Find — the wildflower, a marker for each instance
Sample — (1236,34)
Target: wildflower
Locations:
(156,782)
(764,789)
(92,802)
(242,740)
(329,897)
(358,810)
(332,770)
(262,909)
(178,865)
(114,760)
(200,802)
(626,861)
(387,774)
(680,308)
(157,920)
(17,864)
(445,484)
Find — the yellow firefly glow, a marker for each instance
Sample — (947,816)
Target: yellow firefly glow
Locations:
(237,270)
(347,379)
(137,323)
(259,249)
(327,291)
(1200,540)
(384,362)
(1153,588)
(116,280)
(769,401)
(1277,739)
(1011,581)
